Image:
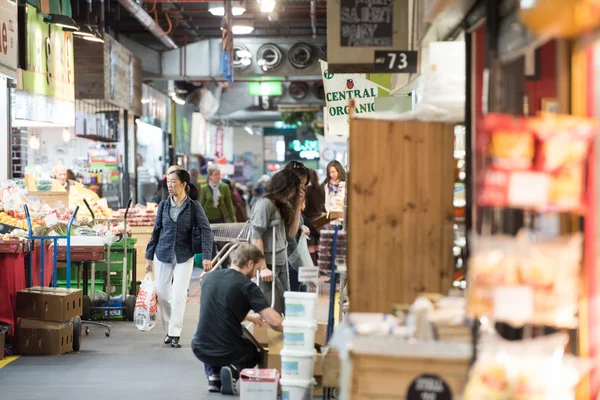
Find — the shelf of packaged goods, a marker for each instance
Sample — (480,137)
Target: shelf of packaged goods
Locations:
(97,138)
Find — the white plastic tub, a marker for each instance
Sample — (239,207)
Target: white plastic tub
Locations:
(300,306)
(299,335)
(297,364)
(297,389)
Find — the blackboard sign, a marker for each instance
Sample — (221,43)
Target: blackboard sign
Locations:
(366,23)
(428,387)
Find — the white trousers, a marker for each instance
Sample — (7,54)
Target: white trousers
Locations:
(172,282)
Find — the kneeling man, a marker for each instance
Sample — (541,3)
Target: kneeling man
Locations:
(227,297)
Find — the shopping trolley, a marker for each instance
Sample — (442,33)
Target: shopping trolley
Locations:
(233,235)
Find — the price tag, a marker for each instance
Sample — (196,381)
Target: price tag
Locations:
(513,303)
(308,274)
(396,61)
(428,387)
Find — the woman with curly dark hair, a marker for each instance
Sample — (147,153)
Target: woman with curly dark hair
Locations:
(281,202)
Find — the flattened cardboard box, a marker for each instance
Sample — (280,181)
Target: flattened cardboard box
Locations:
(2,344)
(49,304)
(44,337)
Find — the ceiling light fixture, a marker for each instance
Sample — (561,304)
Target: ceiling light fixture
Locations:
(242,29)
(267,6)
(67,23)
(98,37)
(84,30)
(218,10)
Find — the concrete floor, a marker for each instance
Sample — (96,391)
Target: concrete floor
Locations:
(128,364)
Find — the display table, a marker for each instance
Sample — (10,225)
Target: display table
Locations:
(143,235)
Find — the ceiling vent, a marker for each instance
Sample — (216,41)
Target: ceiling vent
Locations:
(269,57)
(242,57)
(300,55)
(298,90)
(319,91)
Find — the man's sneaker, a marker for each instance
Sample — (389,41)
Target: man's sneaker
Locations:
(214,384)
(229,378)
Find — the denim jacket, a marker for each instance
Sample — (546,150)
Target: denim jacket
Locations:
(173,240)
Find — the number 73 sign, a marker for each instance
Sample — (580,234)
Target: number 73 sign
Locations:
(396,61)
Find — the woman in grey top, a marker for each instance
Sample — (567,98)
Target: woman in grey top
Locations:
(281,202)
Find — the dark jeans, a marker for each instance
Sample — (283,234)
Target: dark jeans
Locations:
(250,359)
(295,285)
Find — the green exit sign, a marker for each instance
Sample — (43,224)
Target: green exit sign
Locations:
(265,88)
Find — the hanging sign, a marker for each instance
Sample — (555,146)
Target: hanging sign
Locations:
(366,23)
(122,83)
(365,26)
(49,58)
(8,38)
(339,90)
(227,43)
(428,387)
(396,61)
(219,142)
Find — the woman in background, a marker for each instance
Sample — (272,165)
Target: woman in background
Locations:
(315,198)
(215,198)
(281,202)
(335,189)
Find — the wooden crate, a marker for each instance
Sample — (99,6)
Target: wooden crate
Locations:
(143,235)
(389,377)
(52,199)
(400,212)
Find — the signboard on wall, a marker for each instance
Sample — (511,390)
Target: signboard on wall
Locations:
(339,90)
(49,58)
(122,76)
(8,38)
(366,26)
(156,107)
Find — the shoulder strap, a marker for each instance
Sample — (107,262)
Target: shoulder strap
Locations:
(194,222)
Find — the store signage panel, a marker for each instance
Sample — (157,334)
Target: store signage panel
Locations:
(49,58)
(339,90)
(403,61)
(8,38)
(120,76)
(366,23)
(33,107)
(155,107)
(367,26)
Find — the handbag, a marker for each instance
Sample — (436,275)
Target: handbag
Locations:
(196,232)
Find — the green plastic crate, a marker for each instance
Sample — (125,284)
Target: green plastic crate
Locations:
(131,241)
(62,283)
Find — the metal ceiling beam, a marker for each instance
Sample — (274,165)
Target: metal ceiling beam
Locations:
(148,22)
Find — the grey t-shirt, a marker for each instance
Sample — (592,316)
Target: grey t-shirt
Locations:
(264,214)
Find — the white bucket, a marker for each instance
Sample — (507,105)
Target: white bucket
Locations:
(299,335)
(298,364)
(300,306)
(297,389)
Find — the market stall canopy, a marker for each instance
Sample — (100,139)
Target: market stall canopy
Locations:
(560,18)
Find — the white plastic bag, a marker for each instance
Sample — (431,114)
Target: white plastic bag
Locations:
(146,309)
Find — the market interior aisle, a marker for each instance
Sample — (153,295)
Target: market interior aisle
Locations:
(128,364)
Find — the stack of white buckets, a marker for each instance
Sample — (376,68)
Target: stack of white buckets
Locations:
(298,354)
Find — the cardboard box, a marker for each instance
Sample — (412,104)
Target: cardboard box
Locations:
(49,304)
(331,368)
(259,384)
(44,337)
(2,343)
